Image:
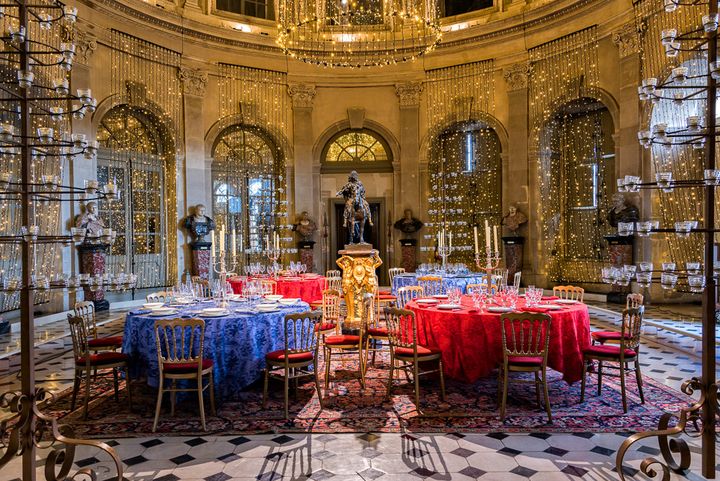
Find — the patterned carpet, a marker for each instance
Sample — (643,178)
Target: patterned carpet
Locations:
(348,408)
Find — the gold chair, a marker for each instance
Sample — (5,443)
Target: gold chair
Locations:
(334,283)
(569,292)
(268,287)
(407,294)
(180,345)
(301,351)
(500,275)
(525,339)
(344,344)
(633,301)
(200,286)
(393,271)
(160,296)
(333,273)
(483,284)
(516,279)
(330,313)
(628,351)
(432,285)
(86,361)
(405,350)
(374,330)
(86,310)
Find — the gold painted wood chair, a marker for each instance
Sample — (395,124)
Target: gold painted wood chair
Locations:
(86,310)
(406,353)
(330,323)
(201,286)
(633,301)
(333,273)
(268,287)
(500,275)
(160,296)
(432,285)
(375,331)
(86,361)
(407,294)
(342,345)
(569,292)
(525,340)
(627,352)
(180,344)
(300,352)
(393,271)
(516,279)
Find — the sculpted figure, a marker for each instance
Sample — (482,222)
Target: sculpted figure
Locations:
(357,210)
(514,219)
(305,227)
(90,220)
(199,224)
(621,211)
(408,224)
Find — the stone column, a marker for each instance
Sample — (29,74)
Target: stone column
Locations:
(409,193)
(307,183)
(191,189)
(519,175)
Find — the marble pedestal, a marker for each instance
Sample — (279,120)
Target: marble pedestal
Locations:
(409,254)
(620,252)
(92,262)
(305,248)
(201,259)
(513,255)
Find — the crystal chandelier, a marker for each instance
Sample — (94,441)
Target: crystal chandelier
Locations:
(357,33)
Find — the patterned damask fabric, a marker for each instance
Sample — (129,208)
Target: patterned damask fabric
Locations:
(448,282)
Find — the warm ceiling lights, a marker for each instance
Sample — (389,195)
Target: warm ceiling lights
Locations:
(357,33)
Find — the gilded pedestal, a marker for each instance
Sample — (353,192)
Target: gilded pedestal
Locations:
(358,263)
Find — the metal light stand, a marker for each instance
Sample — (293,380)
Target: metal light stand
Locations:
(699,419)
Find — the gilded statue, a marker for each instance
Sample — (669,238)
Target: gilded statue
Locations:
(357,209)
(358,279)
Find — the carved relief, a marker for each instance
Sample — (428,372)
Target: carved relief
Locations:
(409,93)
(302,95)
(516,76)
(194,81)
(627,39)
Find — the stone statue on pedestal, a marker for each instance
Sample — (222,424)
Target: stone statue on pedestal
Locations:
(199,225)
(513,220)
(90,220)
(305,227)
(357,209)
(408,224)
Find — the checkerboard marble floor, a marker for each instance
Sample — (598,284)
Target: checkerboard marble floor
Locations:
(390,456)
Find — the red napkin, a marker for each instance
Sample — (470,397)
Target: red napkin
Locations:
(540,310)
(550,298)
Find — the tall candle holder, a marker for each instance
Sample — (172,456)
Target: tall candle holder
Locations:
(220,267)
(273,254)
(492,262)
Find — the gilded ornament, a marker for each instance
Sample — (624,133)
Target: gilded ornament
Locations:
(358,279)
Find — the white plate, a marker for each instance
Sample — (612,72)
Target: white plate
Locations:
(288,301)
(273,297)
(213,310)
(270,309)
(426,301)
(213,314)
(183,300)
(440,296)
(153,305)
(566,301)
(499,309)
(549,306)
(448,307)
(162,312)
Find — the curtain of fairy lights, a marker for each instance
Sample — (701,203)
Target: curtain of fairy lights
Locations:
(44,164)
(248,170)
(572,137)
(465,165)
(684,161)
(141,135)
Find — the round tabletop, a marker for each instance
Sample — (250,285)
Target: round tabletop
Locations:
(471,340)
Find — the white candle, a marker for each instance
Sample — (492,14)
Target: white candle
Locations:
(267,242)
(476,239)
(450,243)
(277,241)
(438,240)
(234,241)
(222,238)
(487,236)
(241,244)
(497,246)
(212,240)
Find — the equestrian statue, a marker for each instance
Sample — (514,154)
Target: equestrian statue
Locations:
(357,209)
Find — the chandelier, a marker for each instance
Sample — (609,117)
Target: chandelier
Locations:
(357,33)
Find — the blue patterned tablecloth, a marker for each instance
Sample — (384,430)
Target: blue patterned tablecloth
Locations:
(237,344)
(459,281)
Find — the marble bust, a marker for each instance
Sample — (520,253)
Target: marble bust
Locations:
(513,220)
(90,220)
(408,224)
(622,211)
(199,224)
(305,227)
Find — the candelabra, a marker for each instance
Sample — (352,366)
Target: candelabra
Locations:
(273,253)
(220,266)
(491,262)
(35,138)
(683,86)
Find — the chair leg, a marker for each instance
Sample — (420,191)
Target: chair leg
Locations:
(115,384)
(622,386)
(265,387)
(211,387)
(201,402)
(600,363)
(537,388)
(328,359)
(127,386)
(390,376)
(503,403)
(87,393)
(317,383)
(362,366)
(442,380)
(172,398)
(76,388)
(158,403)
(416,378)
(287,393)
(584,379)
(638,376)
(547,396)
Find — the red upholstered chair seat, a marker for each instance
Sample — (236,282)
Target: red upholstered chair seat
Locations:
(280,354)
(342,340)
(608,351)
(606,336)
(421,350)
(327,326)
(114,341)
(186,367)
(525,361)
(378,331)
(102,358)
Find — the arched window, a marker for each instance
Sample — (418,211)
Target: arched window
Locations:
(362,150)
(465,182)
(577,170)
(248,183)
(133,157)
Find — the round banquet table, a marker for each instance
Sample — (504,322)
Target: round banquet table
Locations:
(448,282)
(237,343)
(308,289)
(471,341)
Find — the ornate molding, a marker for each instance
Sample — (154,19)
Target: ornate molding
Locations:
(194,81)
(627,39)
(409,93)
(516,76)
(85,44)
(302,95)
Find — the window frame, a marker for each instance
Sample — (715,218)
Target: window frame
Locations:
(379,166)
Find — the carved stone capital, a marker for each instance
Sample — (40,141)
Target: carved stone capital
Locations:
(627,39)
(516,76)
(85,45)
(194,81)
(302,95)
(409,93)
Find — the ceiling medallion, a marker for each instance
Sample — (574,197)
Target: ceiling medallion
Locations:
(357,33)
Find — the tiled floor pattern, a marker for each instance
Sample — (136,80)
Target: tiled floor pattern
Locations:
(387,456)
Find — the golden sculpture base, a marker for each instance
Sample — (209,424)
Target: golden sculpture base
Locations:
(358,263)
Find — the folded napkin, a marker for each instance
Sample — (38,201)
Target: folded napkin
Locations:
(540,310)
(550,298)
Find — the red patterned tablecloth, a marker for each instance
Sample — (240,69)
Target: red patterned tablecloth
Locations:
(471,341)
(307,289)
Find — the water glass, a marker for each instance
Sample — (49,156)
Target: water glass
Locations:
(668,281)
(696,283)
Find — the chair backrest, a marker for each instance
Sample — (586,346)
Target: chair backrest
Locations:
(500,275)
(407,294)
(330,306)
(334,283)
(516,279)
(432,285)
(79,334)
(160,296)
(86,310)
(492,289)
(372,302)
(333,273)
(201,287)
(525,334)
(631,327)
(634,300)
(179,341)
(402,330)
(393,271)
(268,286)
(569,292)
(301,332)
